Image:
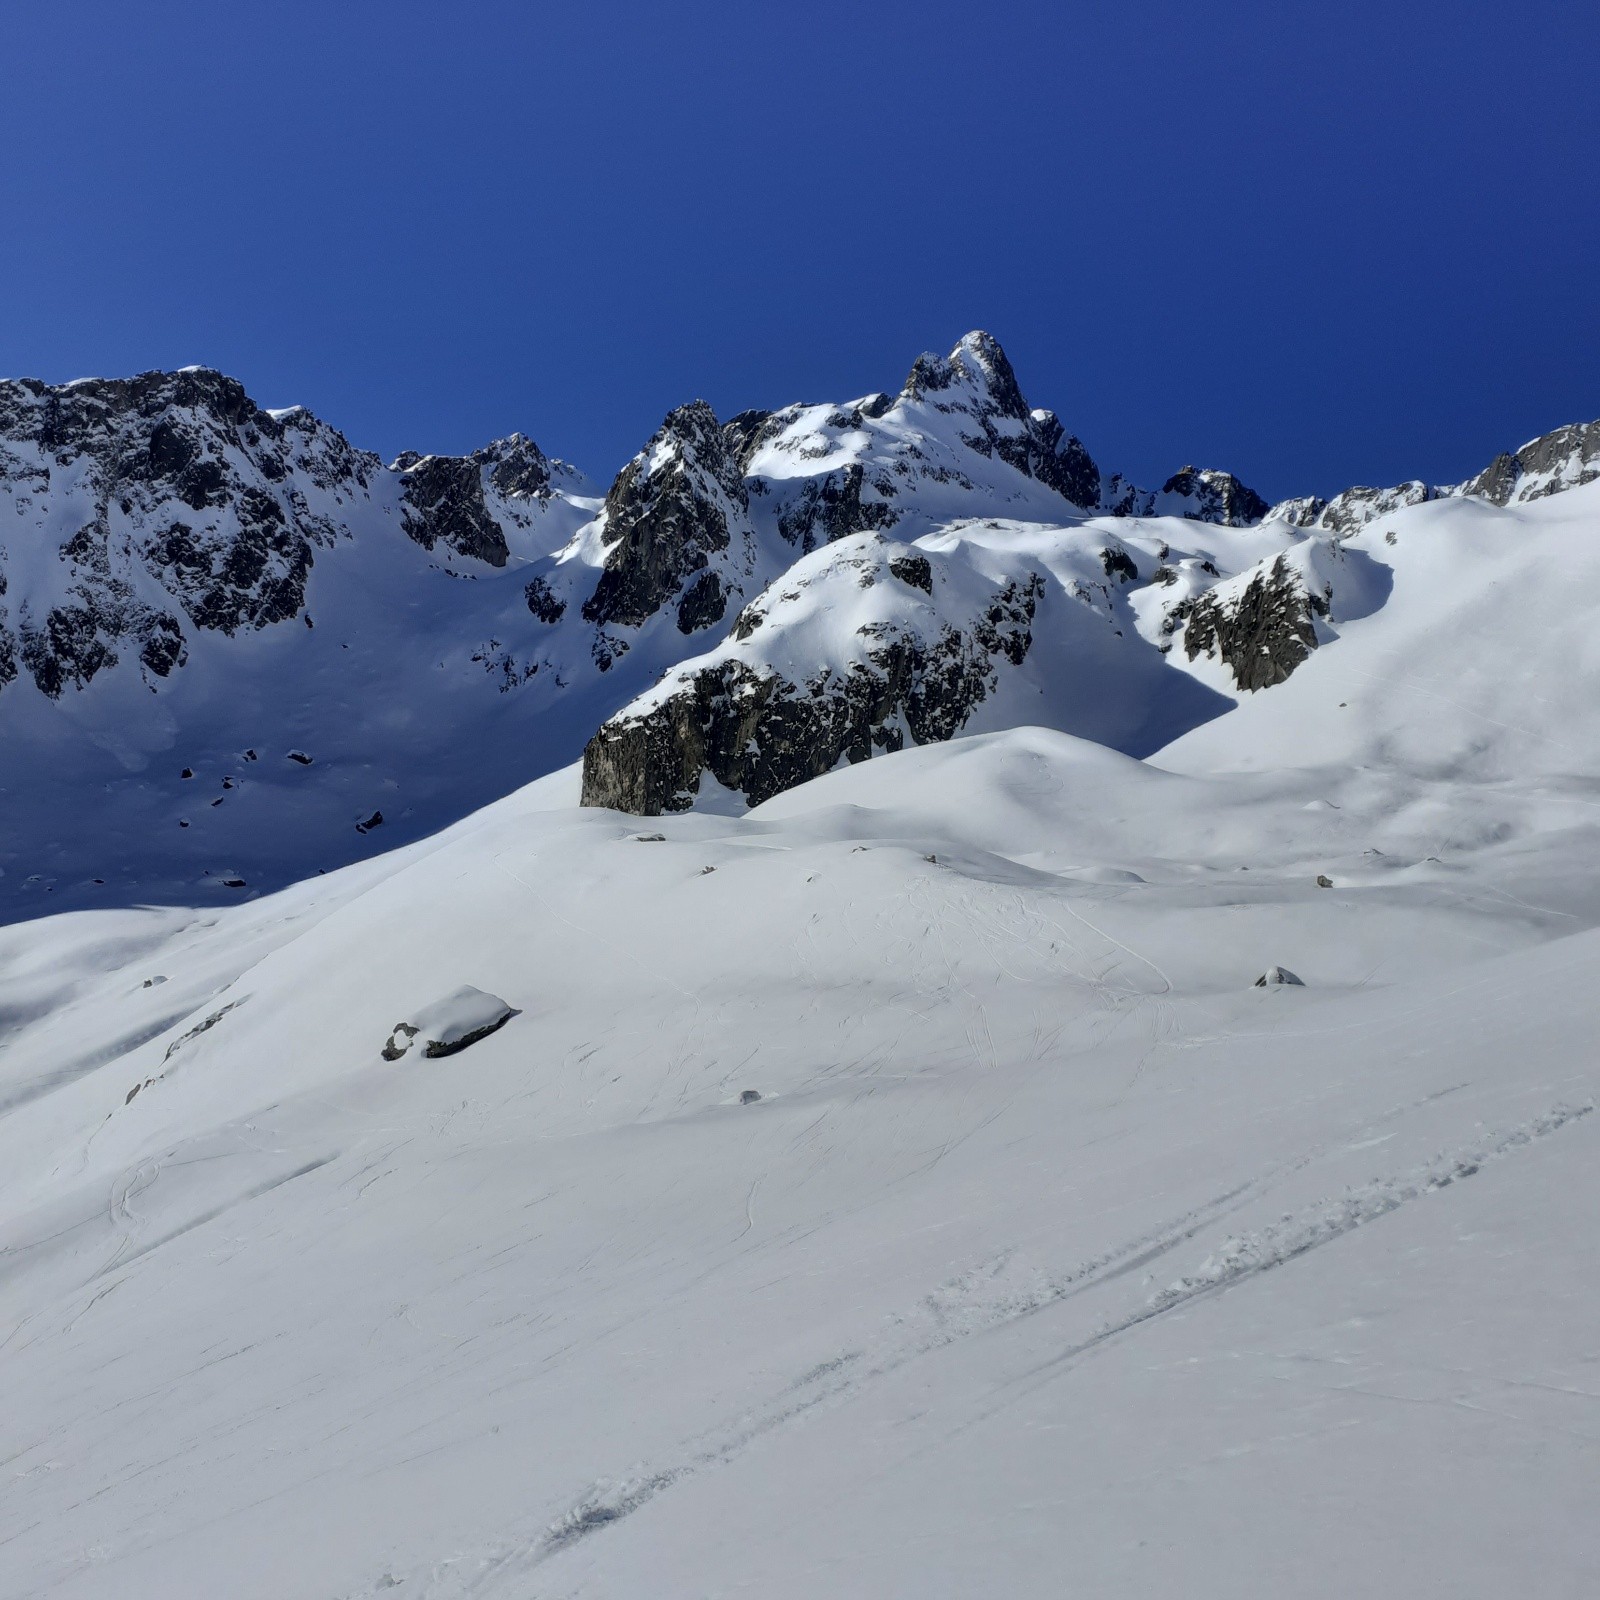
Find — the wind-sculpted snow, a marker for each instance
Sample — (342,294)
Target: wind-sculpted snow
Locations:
(1046,1240)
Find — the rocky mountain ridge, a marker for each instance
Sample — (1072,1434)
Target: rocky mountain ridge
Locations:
(188,579)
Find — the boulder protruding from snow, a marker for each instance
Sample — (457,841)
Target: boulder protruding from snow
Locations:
(450,1024)
(1273,977)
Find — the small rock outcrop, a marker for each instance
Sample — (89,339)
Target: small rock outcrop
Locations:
(1261,628)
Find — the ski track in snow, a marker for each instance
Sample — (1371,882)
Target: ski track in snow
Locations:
(981,1301)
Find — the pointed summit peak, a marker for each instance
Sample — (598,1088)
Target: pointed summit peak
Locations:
(978,362)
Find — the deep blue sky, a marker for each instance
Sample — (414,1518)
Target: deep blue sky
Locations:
(1316,244)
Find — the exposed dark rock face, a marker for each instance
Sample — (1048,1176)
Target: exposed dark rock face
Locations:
(1264,632)
(67,649)
(914,570)
(444,504)
(744,434)
(1301,512)
(667,515)
(458,501)
(1564,459)
(180,477)
(757,732)
(976,380)
(1198,494)
(702,604)
(1061,461)
(980,355)
(252,581)
(1217,497)
(1352,510)
(1119,564)
(830,507)
(1120,498)
(518,469)
(183,476)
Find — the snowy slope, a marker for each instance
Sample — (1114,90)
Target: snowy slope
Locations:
(1481,662)
(899,1187)
(1050,1244)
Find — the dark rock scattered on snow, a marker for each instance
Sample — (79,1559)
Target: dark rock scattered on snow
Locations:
(201,1027)
(374,821)
(301,757)
(748,1097)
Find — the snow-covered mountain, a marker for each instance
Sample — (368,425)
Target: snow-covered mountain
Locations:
(1129,626)
(237,650)
(1135,1134)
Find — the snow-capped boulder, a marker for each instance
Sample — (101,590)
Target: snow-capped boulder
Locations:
(460,1019)
(1277,977)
